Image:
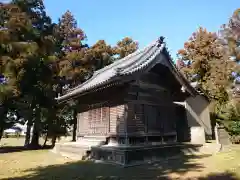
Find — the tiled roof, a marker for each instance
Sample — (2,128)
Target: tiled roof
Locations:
(127,65)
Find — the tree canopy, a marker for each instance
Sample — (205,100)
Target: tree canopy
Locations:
(39,60)
(212,60)
(204,60)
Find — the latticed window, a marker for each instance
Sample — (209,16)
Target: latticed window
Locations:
(90,115)
(80,123)
(105,118)
(98,115)
(94,118)
(98,120)
(105,112)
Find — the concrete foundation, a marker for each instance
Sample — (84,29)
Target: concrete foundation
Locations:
(197,135)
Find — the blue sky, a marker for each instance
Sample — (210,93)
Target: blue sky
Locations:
(144,20)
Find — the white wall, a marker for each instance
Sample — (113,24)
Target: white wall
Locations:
(198,116)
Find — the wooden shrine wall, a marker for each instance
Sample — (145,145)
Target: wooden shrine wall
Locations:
(142,107)
(150,107)
(103,114)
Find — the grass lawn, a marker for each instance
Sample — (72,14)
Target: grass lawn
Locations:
(20,164)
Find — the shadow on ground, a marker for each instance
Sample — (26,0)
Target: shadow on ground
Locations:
(81,170)
(12,149)
(220,176)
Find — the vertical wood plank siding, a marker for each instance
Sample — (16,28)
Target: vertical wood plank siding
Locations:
(136,119)
(117,120)
(102,121)
(150,119)
(150,107)
(120,120)
(102,112)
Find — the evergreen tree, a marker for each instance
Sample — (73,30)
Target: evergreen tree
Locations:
(12,53)
(230,39)
(125,47)
(40,59)
(100,55)
(72,67)
(33,32)
(230,36)
(203,59)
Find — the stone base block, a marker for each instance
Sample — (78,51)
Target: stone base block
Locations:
(78,150)
(135,155)
(71,150)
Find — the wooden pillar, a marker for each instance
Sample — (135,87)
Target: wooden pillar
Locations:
(126,124)
(78,121)
(109,120)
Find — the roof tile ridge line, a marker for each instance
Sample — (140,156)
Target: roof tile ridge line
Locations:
(140,62)
(133,63)
(113,65)
(150,58)
(158,50)
(104,69)
(119,61)
(151,45)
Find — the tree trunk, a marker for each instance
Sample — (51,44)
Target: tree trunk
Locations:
(36,130)
(28,134)
(35,136)
(54,138)
(29,116)
(3,113)
(74,135)
(45,141)
(1,133)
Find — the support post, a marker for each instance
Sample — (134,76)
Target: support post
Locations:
(126,125)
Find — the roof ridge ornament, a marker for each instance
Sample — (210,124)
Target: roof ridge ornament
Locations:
(160,41)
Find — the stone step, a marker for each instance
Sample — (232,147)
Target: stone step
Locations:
(71,151)
(94,138)
(210,148)
(90,141)
(78,150)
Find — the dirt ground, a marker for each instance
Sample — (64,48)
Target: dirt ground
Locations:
(17,163)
